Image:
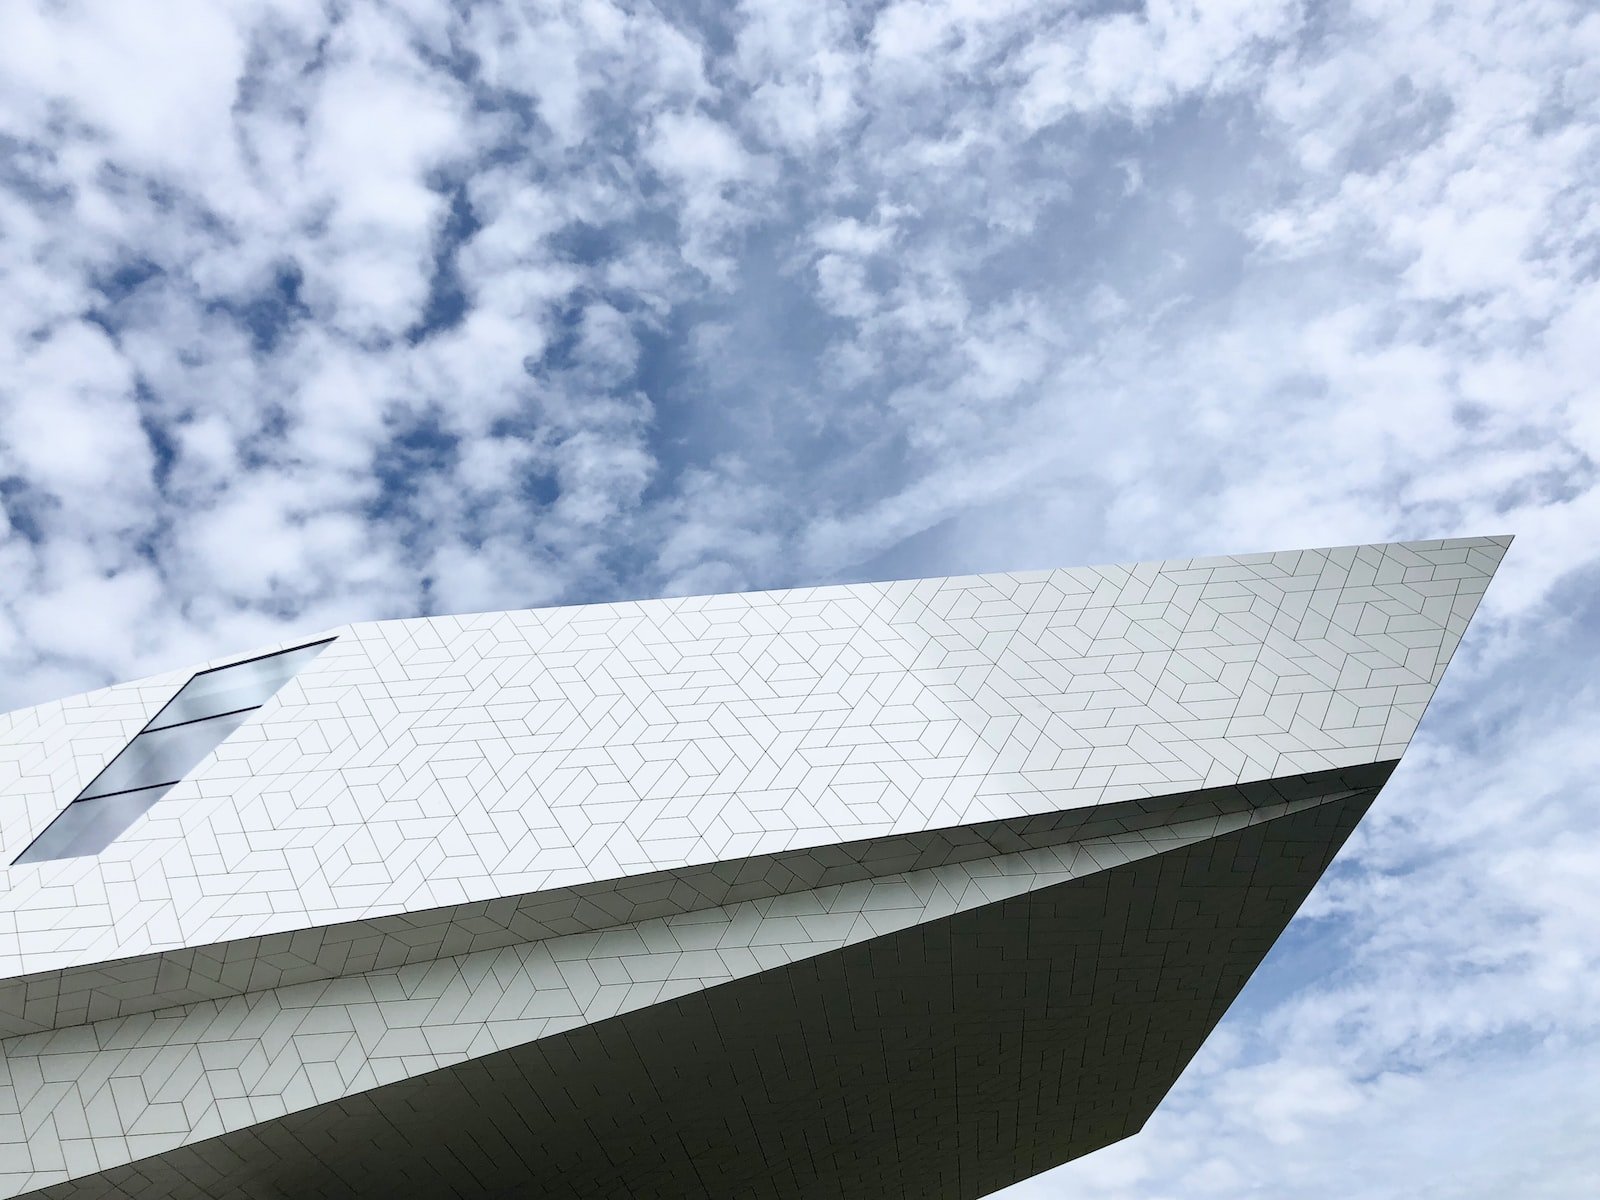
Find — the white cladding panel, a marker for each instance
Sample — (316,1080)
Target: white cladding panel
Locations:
(429,762)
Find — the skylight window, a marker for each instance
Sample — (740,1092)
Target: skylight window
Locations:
(190,726)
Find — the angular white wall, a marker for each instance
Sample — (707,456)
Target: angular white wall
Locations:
(560,798)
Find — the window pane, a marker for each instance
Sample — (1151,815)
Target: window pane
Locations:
(89,826)
(163,756)
(228,689)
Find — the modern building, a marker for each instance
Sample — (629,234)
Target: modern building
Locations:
(893,889)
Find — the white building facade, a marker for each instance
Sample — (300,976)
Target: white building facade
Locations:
(910,888)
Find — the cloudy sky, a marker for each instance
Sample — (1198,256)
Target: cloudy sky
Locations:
(313,312)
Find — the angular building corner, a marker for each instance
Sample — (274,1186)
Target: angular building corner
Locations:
(913,888)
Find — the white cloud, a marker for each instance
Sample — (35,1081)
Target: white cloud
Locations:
(711,169)
(70,427)
(136,81)
(1134,63)
(809,71)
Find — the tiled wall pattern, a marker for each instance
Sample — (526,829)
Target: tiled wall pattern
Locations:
(52,999)
(941,1060)
(94,1096)
(374,875)
(426,763)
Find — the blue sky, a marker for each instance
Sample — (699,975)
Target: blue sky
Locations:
(316,312)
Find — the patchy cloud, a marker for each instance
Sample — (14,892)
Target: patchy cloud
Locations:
(314,313)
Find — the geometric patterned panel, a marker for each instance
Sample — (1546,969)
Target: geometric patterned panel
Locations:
(126,1087)
(946,1059)
(899,888)
(421,764)
(55,999)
